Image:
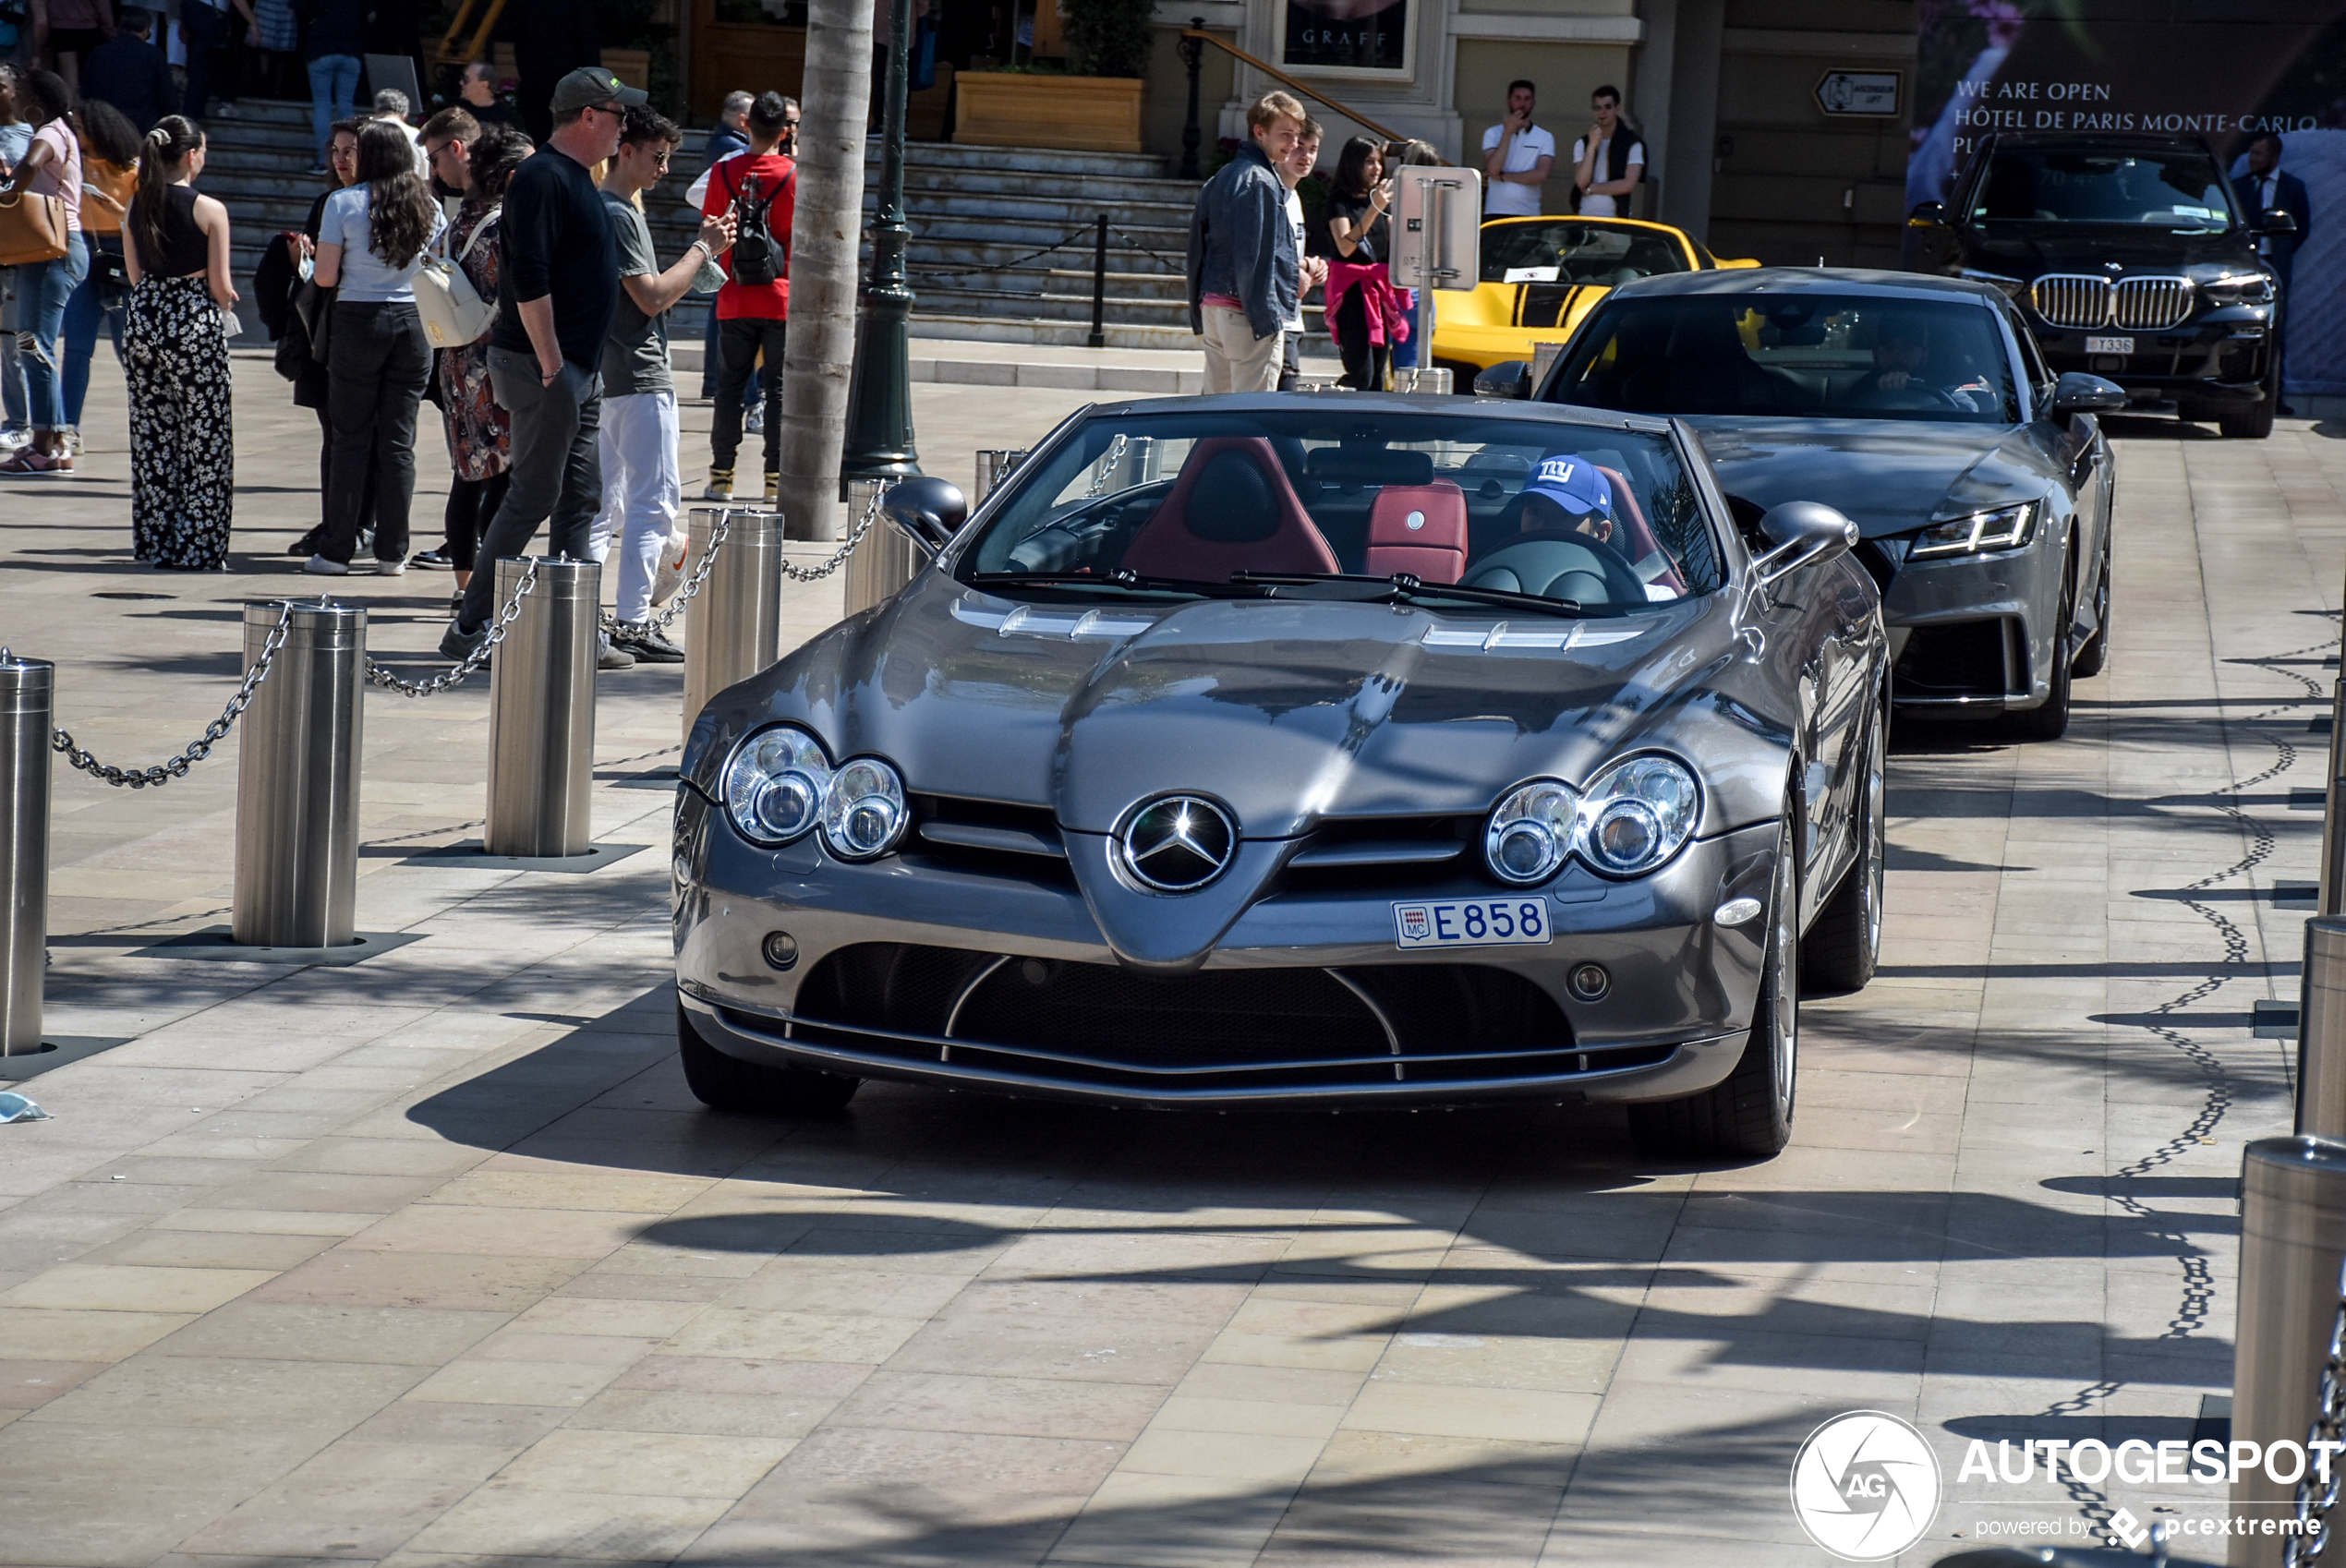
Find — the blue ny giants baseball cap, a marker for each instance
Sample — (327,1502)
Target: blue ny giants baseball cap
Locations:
(1572,483)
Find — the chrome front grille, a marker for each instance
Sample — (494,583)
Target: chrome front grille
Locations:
(2150,304)
(2071,299)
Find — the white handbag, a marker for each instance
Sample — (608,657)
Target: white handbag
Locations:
(454,313)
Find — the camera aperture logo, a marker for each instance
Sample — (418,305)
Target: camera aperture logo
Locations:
(1865,1486)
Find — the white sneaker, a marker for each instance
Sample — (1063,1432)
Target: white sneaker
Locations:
(14,440)
(391,568)
(73,439)
(320,566)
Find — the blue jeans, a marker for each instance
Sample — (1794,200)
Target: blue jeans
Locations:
(96,304)
(204,28)
(334,87)
(15,405)
(40,306)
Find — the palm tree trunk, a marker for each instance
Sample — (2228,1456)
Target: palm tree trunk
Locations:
(825,235)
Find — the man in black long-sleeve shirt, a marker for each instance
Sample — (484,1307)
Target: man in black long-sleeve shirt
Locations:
(130,73)
(555,297)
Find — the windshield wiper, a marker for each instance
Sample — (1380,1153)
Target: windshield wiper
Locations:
(1402,586)
(1131,582)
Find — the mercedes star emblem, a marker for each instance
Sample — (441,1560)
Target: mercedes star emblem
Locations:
(1177,844)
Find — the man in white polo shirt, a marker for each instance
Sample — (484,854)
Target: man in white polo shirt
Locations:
(1608,162)
(1516,156)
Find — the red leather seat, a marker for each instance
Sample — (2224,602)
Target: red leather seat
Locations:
(1420,529)
(1231,509)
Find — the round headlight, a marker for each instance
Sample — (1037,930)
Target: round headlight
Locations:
(1638,814)
(774,784)
(1529,835)
(864,812)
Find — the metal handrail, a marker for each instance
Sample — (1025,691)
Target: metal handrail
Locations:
(447,54)
(1285,81)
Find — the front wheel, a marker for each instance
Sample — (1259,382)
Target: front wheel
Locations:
(2094,657)
(2049,720)
(1845,943)
(728,1083)
(1748,1114)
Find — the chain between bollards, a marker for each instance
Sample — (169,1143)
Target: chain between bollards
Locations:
(196,750)
(838,557)
(2315,1499)
(692,585)
(379,676)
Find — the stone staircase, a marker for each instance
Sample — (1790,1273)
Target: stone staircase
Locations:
(1003,237)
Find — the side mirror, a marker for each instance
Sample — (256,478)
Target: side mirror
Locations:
(1805,533)
(1927,215)
(2279,222)
(2077,393)
(1509,377)
(929,510)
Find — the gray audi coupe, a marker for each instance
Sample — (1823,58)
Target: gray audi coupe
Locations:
(1921,408)
(1321,751)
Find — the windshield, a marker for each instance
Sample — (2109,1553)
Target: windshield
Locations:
(1848,357)
(2175,190)
(1573,250)
(1135,504)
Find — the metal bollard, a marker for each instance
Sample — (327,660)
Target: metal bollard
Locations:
(2321,1030)
(27,715)
(734,629)
(2292,1237)
(2332,896)
(297,779)
(541,712)
(884,562)
(994,465)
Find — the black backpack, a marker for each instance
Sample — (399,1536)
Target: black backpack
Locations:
(757,259)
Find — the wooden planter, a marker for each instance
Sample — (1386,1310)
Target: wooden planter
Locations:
(1074,113)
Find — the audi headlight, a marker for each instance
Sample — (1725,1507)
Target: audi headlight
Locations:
(2239,288)
(2007,527)
(1532,832)
(774,784)
(863,811)
(1638,814)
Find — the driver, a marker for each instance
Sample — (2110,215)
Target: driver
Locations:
(1567,495)
(1902,363)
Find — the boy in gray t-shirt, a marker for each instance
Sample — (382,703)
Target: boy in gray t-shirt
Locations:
(642,486)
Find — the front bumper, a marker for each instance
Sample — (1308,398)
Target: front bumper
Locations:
(1973,635)
(924,967)
(2214,358)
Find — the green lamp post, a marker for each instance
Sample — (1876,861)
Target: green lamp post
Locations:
(879,417)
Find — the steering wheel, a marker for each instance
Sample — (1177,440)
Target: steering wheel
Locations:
(1871,394)
(1560,563)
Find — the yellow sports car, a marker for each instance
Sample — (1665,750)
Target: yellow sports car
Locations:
(1541,275)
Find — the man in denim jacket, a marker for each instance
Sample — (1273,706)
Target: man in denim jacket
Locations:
(1243,268)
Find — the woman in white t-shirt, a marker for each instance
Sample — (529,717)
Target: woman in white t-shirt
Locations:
(1608,162)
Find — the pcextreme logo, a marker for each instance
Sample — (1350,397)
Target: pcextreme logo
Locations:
(1865,1486)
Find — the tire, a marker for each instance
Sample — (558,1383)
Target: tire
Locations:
(2049,722)
(1845,943)
(1748,1115)
(2094,657)
(2253,423)
(728,1083)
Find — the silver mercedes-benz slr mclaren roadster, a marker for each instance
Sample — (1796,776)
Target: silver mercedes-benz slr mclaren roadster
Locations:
(1261,751)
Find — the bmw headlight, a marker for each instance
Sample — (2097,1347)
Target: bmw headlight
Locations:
(864,810)
(2239,288)
(1528,836)
(2007,527)
(774,784)
(1638,814)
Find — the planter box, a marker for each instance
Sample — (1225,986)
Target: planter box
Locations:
(751,56)
(1073,113)
(632,66)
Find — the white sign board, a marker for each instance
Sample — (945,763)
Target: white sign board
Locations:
(1858,92)
(1437,228)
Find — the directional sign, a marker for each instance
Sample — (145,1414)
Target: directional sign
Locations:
(1858,92)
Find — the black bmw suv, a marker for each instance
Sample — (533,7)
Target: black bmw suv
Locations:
(2128,257)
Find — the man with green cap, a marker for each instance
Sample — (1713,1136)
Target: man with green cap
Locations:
(555,298)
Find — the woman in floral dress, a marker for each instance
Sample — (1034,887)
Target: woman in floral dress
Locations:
(479,431)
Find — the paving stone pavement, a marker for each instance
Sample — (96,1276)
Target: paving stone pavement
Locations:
(432,1260)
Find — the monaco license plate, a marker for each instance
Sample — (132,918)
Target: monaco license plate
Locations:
(2109,345)
(1471,923)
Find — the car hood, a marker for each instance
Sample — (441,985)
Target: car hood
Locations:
(2024,251)
(1286,712)
(1887,476)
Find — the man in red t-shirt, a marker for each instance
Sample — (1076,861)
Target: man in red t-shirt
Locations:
(751,314)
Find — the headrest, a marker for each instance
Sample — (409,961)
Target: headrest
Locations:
(1368,466)
(1232,503)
